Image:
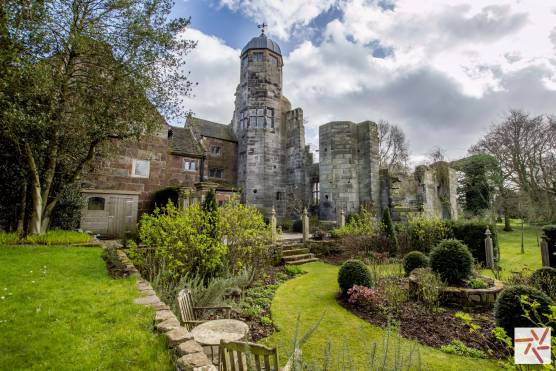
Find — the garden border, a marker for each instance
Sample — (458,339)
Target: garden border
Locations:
(190,353)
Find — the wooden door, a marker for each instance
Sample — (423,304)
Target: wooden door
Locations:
(121,216)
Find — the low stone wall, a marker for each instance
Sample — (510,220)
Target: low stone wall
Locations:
(462,297)
(190,353)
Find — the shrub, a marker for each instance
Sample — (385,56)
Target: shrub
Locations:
(429,288)
(395,294)
(422,233)
(452,260)
(472,234)
(509,311)
(56,237)
(67,213)
(550,233)
(477,283)
(364,296)
(293,270)
(414,259)
(544,279)
(354,272)
(361,224)
(165,195)
(297,226)
(459,348)
(390,231)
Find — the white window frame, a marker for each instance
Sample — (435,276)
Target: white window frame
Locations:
(188,161)
(214,152)
(134,168)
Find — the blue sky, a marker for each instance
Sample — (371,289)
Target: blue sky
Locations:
(442,70)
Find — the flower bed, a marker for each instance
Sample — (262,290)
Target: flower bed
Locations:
(465,297)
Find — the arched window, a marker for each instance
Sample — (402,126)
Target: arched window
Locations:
(96,203)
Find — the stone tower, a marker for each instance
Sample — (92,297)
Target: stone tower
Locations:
(271,136)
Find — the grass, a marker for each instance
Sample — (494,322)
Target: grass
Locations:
(313,294)
(52,237)
(60,310)
(511,258)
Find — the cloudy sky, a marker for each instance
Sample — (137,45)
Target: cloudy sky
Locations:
(443,70)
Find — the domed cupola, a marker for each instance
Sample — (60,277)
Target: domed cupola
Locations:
(262,42)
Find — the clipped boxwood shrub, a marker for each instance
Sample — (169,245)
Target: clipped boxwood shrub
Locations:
(452,260)
(414,259)
(472,234)
(509,311)
(354,272)
(544,279)
(550,233)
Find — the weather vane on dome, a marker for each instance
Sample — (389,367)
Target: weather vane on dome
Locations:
(262,27)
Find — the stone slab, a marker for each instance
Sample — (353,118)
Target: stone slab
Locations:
(163,315)
(193,362)
(168,325)
(189,347)
(147,300)
(178,336)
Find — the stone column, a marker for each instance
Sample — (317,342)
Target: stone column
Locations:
(545,253)
(305,221)
(489,250)
(342,221)
(273,225)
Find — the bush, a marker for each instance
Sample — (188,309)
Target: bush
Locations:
(459,348)
(361,224)
(297,226)
(429,288)
(67,213)
(390,231)
(472,234)
(421,233)
(293,270)
(509,311)
(354,272)
(452,260)
(56,237)
(414,259)
(544,279)
(477,283)
(364,296)
(165,195)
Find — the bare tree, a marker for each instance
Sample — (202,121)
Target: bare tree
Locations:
(525,148)
(437,154)
(393,147)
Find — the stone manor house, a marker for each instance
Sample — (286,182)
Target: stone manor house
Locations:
(261,157)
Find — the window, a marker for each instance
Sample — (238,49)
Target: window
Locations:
(189,165)
(215,150)
(141,168)
(279,196)
(258,57)
(216,173)
(95,203)
(245,61)
(270,118)
(273,60)
(316,193)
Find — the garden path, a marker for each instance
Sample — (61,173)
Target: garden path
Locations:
(313,294)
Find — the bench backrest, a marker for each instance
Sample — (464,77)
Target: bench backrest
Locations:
(185,303)
(241,356)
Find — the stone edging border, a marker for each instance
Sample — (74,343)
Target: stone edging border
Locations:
(190,353)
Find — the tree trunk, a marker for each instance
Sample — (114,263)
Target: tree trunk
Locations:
(507,225)
(36,216)
(22,207)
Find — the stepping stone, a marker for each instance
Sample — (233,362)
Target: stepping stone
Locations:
(194,362)
(163,315)
(188,347)
(159,306)
(147,292)
(147,300)
(168,325)
(177,336)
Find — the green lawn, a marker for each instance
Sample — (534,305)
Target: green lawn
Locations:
(59,310)
(312,294)
(511,258)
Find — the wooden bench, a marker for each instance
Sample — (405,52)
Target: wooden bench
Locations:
(190,315)
(241,356)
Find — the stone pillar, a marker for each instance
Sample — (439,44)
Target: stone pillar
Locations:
(489,250)
(273,225)
(545,253)
(342,220)
(305,221)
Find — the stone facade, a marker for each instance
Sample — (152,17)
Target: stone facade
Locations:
(348,168)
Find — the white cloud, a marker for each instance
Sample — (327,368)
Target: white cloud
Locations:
(452,67)
(215,67)
(282,16)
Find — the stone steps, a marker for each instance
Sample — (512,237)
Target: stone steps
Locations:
(296,253)
(292,258)
(303,261)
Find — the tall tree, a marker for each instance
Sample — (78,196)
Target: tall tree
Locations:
(79,73)
(481,176)
(393,147)
(525,147)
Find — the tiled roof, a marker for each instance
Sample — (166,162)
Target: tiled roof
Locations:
(183,142)
(211,129)
(262,42)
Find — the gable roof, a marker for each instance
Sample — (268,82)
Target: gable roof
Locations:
(183,142)
(210,129)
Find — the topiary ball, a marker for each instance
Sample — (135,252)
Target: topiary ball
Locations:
(413,260)
(354,272)
(509,311)
(452,260)
(544,279)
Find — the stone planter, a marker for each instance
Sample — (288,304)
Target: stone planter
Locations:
(463,297)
